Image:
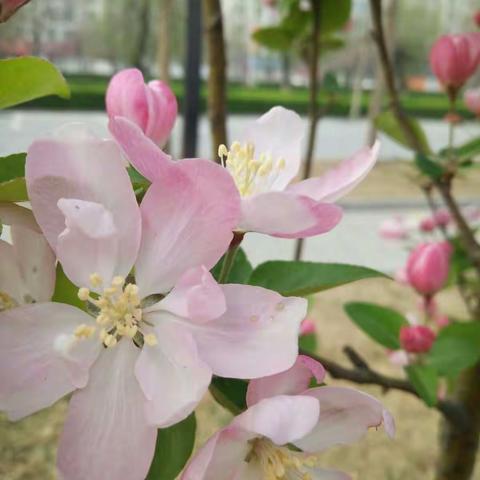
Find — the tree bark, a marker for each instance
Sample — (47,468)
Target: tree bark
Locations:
(217,81)
(459,443)
(316,6)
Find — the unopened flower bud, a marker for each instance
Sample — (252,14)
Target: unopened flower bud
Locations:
(417,338)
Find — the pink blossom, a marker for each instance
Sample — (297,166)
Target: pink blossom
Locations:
(476,18)
(394,228)
(262,164)
(152,106)
(283,411)
(442,217)
(307,327)
(428,267)
(399,358)
(417,338)
(427,224)
(471,98)
(454,58)
(144,356)
(401,276)
(9,7)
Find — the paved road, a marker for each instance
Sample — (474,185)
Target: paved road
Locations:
(337,137)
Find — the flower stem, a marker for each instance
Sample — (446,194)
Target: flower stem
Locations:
(229,258)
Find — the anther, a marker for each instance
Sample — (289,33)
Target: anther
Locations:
(150,339)
(96,280)
(83,294)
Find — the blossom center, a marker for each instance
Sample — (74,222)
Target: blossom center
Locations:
(117,313)
(251,174)
(281,463)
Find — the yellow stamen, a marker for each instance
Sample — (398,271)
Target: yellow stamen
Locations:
(84,331)
(150,339)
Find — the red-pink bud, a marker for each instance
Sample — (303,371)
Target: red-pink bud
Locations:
(471,98)
(307,327)
(427,224)
(476,18)
(9,7)
(442,217)
(428,266)
(417,338)
(152,106)
(454,58)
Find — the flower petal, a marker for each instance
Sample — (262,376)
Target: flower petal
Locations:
(13,214)
(172,376)
(11,282)
(287,215)
(340,180)
(142,153)
(36,263)
(293,381)
(77,165)
(346,415)
(105,433)
(283,418)
(40,361)
(257,335)
(187,216)
(221,458)
(279,133)
(196,296)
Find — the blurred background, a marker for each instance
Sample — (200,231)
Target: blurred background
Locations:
(92,39)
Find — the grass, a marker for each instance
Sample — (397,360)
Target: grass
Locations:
(88,93)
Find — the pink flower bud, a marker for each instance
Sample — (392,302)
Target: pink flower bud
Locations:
(471,98)
(9,7)
(428,267)
(393,229)
(307,327)
(454,59)
(152,106)
(476,18)
(442,217)
(427,225)
(417,339)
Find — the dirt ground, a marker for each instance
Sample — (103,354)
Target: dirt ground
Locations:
(27,448)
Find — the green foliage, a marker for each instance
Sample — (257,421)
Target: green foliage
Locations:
(382,324)
(173,449)
(13,191)
(425,381)
(304,278)
(334,15)
(388,124)
(240,271)
(467,151)
(230,393)
(12,183)
(428,167)
(308,343)
(65,290)
(457,347)
(25,78)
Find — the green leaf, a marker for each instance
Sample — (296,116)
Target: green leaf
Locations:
(425,381)
(230,393)
(13,191)
(65,290)
(173,449)
(428,167)
(457,347)
(240,271)
(388,124)
(308,343)
(467,150)
(274,38)
(382,324)
(25,78)
(303,278)
(12,166)
(334,14)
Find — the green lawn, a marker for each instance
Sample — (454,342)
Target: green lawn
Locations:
(88,94)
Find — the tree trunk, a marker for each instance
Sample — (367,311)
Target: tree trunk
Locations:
(312,102)
(217,81)
(459,443)
(163,43)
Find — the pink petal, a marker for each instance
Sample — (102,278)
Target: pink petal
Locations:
(283,419)
(287,215)
(279,133)
(340,180)
(78,166)
(127,97)
(346,415)
(196,296)
(293,381)
(11,281)
(221,458)
(36,263)
(172,376)
(105,433)
(187,216)
(40,361)
(12,214)
(257,335)
(141,152)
